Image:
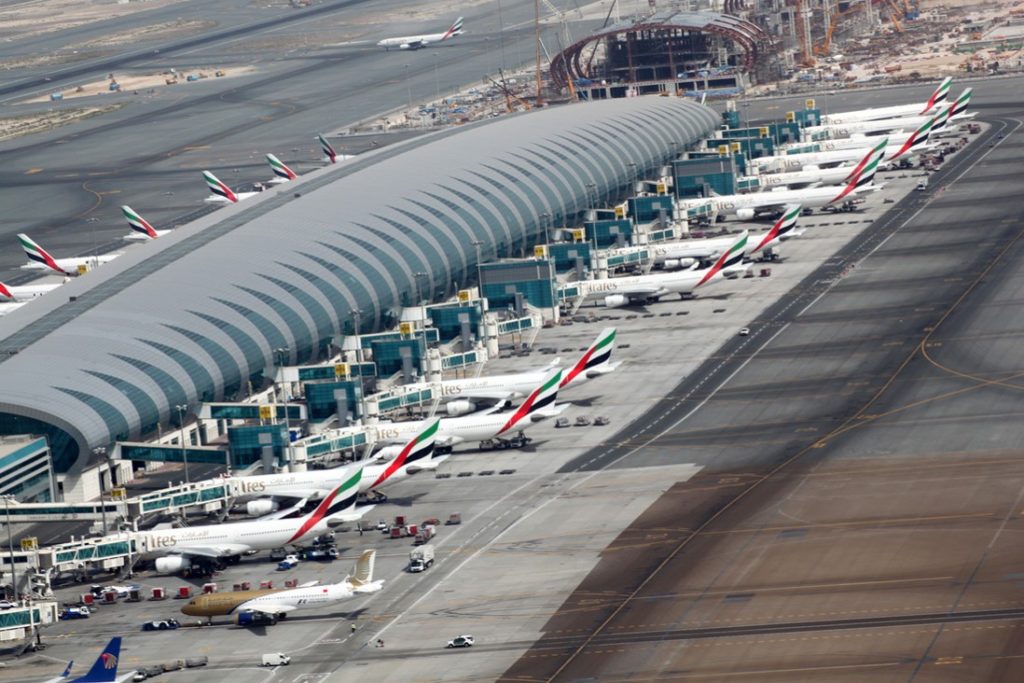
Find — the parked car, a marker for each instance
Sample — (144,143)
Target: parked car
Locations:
(75,613)
(461,641)
(161,625)
(7,604)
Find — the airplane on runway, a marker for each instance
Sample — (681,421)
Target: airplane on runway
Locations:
(223,194)
(622,291)
(416,42)
(104,669)
(174,549)
(488,425)
(956,111)
(142,231)
(746,206)
(391,462)
(40,259)
(687,253)
(277,603)
(282,174)
(938,97)
(24,292)
(460,393)
(330,154)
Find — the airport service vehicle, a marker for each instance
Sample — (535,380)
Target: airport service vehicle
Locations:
(142,231)
(746,206)
(922,184)
(277,603)
(161,625)
(461,641)
(75,613)
(953,112)
(937,98)
(421,558)
(622,291)
(504,428)
(391,462)
(275,659)
(685,253)
(416,42)
(175,549)
(104,669)
(221,193)
(289,562)
(744,331)
(459,394)
(282,174)
(23,293)
(40,259)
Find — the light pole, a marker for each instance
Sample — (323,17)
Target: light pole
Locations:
(281,353)
(592,200)
(10,545)
(181,408)
(102,453)
(437,85)
(476,245)
(544,223)
(408,85)
(632,176)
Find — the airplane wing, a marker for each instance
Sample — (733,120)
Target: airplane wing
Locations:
(545,413)
(636,292)
(215,551)
(263,607)
(303,496)
(414,44)
(354,516)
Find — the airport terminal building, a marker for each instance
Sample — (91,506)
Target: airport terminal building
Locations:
(197,314)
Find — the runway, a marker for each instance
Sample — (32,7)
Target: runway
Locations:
(64,187)
(861,462)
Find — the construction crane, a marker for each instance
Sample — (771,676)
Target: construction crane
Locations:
(802,24)
(826,44)
(509,95)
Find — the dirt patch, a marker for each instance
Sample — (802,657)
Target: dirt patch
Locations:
(37,18)
(135,82)
(16,126)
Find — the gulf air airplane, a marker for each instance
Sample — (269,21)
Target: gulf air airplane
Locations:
(953,112)
(746,206)
(939,96)
(503,427)
(23,293)
(330,154)
(40,259)
(416,42)
(623,291)
(392,462)
(142,231)
(277,603)
(104,669)
(282,174)
(174,549)
(462,396)
(687,253)
(221,193)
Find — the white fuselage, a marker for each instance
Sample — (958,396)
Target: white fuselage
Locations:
(407,42)
(238,536)
(895,111)
(71,265)
(514,386)
(300,598)
(828,176)
(845,130)
(813,197)
(855,142)
(708,248)
(795,162)
(652,286)
(28,292)
(217,199)
(452,430)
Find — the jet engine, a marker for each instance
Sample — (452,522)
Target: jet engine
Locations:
(460,407)
(615,300)
(258,508)
(172,565)
(745,214)
(678,263)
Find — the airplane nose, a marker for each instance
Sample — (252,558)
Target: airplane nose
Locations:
(191,609)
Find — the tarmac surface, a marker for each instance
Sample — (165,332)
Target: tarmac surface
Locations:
(317,70)
(857,511)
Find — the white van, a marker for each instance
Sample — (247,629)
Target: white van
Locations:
(922,184)
(276,659)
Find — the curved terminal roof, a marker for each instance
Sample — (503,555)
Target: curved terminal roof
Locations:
(194,315)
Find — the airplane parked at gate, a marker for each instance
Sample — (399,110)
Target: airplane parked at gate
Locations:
(221,193)
(174,549)
(141,229)
(934,102)
(416,42)
(22,293)
(688,253)
(40,259)
(282,174)
(841,130)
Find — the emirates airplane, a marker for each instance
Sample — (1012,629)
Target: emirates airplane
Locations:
(416,42)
